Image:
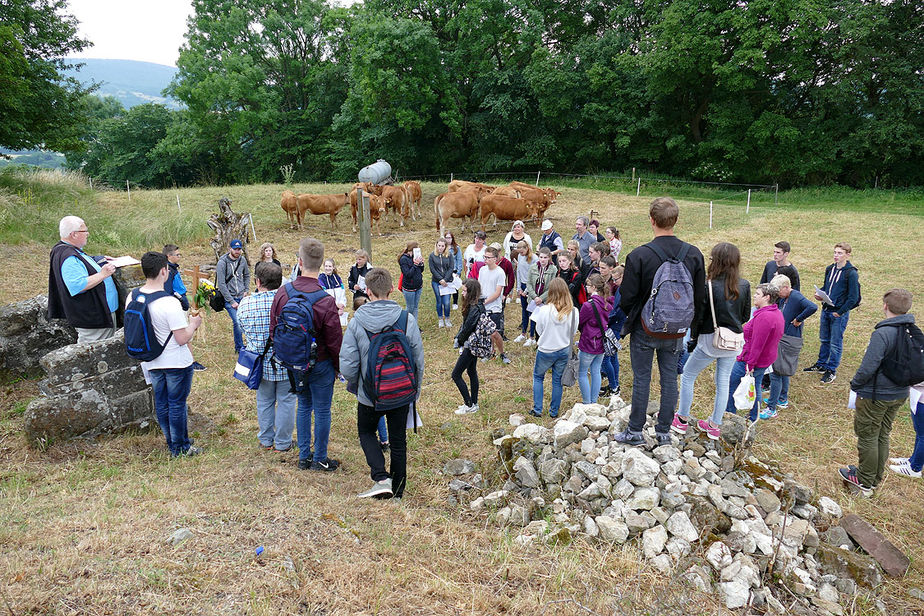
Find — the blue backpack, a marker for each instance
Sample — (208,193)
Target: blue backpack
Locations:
(140,340)
(391,374)
(294,336)
(668,312)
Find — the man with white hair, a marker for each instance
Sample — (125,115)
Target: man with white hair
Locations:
(584,238)
(80,287)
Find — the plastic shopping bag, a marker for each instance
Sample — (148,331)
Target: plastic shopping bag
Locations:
(745,394)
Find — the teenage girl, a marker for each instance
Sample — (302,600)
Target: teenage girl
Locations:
(472,309)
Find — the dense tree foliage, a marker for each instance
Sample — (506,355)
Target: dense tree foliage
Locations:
(788,91)
(39,106)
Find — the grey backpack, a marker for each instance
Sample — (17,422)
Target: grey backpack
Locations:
(668,312)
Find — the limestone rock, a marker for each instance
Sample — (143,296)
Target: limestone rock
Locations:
(611,529)
(459,466)
(567,432)
(553,470)
(719,556)
(644,499)
(526,473)
(734,593)
(532,432)
(846,564)
(639,468)
(829,507)
(679,525)
(26,335)
(653,541)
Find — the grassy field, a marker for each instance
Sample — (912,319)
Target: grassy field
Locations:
(84,525)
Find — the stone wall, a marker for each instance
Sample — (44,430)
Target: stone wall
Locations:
(26,335)
(91,389)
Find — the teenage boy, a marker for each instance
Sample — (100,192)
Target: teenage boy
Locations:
(474,254)
(275,399)
(641,266)
(175,284)
(584,237)
(780,259)
(171,372)
(878,398)
(315,392)
(493,281)
(378,314)
(232,275)
(842,285)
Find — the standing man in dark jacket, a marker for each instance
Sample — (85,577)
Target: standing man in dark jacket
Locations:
(641,266)
(842,285)
(878,398)
(316,390)
(780,259)
(232,276)
(80,287)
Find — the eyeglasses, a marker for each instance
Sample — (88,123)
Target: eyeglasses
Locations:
(82,231)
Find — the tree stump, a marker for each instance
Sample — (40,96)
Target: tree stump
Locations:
(228,226)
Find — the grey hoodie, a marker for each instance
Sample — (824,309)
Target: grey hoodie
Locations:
(374,317)
(869,382)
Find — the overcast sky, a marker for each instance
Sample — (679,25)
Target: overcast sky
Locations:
(147,30)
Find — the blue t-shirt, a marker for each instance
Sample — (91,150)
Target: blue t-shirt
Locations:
(74,274)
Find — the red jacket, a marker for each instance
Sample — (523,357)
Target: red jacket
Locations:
(326,319)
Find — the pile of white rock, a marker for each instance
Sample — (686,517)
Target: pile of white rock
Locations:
(708,510)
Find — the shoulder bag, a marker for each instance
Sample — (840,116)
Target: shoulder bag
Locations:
(723,339)
(569,376)
(611,344)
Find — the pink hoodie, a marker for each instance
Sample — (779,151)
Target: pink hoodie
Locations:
(762,337)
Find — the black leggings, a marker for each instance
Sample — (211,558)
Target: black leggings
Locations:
(466,363)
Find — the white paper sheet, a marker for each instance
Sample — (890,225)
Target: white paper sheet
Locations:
(123,261)
(531,306)
(824,296)
(852,400)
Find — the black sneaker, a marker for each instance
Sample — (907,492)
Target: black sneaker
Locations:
(616,391)
(850,477)
(384,447)
(327,465)
(605,390)
(815,368)
(663,438)
(304,465)
(627,437)
(828,377)
(197,367)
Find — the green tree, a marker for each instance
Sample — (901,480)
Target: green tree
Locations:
(39,106)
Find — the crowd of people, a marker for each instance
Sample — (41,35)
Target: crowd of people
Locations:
(578,305)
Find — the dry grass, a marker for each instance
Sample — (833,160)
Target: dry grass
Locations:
(84,524)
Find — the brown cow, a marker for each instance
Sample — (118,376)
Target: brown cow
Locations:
(376,208)
(545,197)
(456,205)
(290,207)
(415,194)
(507,208)
(459,185)
(322,204)
(507,191)
(397,199)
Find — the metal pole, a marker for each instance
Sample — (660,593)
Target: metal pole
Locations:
(91,183)
(253,229)
(537,177)
(178,203)
(776,194)
(747,208)
(129,189)
(633,174)
(710,214)
(638,190)
(450,178)
(365,223)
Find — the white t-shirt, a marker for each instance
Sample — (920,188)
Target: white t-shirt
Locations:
(473,256)
(554,335)
(490,280)
(166,316)
(510,244)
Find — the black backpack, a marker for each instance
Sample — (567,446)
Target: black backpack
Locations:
(905,365)
(140,340)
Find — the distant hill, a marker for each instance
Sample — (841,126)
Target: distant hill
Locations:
(132,82)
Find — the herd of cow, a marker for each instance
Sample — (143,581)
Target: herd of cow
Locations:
(462,199)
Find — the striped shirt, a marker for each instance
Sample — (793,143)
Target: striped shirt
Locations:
(253,314)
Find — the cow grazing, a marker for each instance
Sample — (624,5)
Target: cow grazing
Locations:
(376,208)
(322,204)
(461,185)
(290,207)
(507,208)
(507,191)
(544,197)
(397,199)
(415,195)
(455,205)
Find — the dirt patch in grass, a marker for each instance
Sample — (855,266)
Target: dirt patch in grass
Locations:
(84,525)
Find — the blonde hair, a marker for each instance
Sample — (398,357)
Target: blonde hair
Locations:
(529,251)
(560,297)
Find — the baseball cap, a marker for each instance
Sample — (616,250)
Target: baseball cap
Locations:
(546,224)
(236,244)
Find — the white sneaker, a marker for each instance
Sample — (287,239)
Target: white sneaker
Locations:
(448,322)
(455,306)
(898,460)
(529,342)
(440,323)
(905,469)
(465,410)
(519,338)
(379,489)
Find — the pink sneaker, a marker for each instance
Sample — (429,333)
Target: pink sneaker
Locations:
(678,425)
(711,432)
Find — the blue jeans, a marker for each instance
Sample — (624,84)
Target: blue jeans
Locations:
(779,390)
(917,457)
(443,303)
(525,324)
(610,369)
(275,414)
(697,361)
(171,388)
(590,385)
(642,350)
(831,332)
(556,362)
(238,334)
(412,300)
(737,373)
(383,429)
(315,396)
